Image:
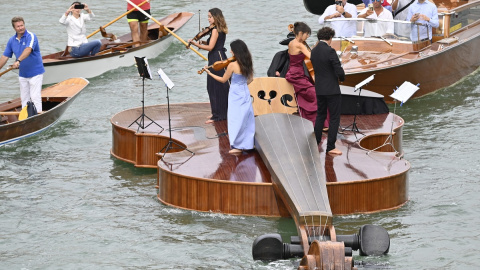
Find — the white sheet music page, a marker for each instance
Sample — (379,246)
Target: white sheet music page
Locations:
(166,80)
(404,92)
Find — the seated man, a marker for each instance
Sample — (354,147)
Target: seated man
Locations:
(425,13)
(377,28)
(341,9)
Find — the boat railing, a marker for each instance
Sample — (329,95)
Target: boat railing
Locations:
(384,29)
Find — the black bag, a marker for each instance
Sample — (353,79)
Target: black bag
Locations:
(31,110)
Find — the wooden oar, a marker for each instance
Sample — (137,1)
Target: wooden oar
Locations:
(9,113)
(119,17)
(7,70)
(166,28)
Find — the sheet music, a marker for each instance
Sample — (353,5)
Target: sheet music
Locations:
(166,80)
(404,92)
(367,80)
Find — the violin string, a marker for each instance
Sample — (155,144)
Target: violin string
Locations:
(317,174)
(271,144)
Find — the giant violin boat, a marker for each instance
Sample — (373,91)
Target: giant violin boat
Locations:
(287,175)
(401,56)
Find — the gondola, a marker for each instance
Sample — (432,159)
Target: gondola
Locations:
(116,51)
(55,100)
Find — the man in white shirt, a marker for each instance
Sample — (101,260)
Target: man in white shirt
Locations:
(339,10)
(375,28)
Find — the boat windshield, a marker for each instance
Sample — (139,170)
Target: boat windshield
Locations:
(379,28)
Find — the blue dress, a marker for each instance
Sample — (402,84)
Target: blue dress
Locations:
(241,122)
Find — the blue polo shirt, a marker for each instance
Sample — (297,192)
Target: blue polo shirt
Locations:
(33,64)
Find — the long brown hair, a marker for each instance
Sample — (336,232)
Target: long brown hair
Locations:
(220,22)
(243,57)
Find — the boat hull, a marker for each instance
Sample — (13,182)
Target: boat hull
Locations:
(17,130)
(94,66)
(59,68)
(432,72)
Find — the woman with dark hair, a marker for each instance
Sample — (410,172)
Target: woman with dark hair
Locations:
(241,122)
(74,20)
(217,92)
(303,86)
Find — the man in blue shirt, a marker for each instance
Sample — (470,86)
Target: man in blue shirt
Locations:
(424,16)
(24,45)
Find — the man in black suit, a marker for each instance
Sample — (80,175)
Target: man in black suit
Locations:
(328,71)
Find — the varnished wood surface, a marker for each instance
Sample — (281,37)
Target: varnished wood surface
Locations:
(213,180)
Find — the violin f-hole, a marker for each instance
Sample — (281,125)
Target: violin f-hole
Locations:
(272,94)
(285,99)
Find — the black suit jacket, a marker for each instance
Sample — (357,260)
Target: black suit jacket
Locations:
(328,70)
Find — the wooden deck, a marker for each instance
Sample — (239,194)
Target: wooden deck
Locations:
(213,180)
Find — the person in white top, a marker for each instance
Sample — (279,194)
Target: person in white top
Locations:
(400,8)
(74,20)
(377,28)
(341,9)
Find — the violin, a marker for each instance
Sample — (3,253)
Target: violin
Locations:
(219,64)
(308,62)
(205,31)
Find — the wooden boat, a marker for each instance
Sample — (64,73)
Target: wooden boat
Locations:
(397,58)
(284,176)
(114,54)
(55,100)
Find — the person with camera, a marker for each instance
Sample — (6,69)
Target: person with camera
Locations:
(341,9)
(24,44)
(74,20)
(380,28)
(423,15)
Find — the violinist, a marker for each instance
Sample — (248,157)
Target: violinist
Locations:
(217,92)
(302,84)
(241,121)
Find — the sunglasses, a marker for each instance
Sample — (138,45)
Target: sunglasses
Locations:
(377,0)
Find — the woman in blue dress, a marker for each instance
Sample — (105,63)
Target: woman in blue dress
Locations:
(240,119)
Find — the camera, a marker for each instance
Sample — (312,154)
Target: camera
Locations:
(370,7)
(338,3)
(81,6)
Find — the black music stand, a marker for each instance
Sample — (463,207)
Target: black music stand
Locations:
(171,144)
(144,72)
(402,94)
(353,125)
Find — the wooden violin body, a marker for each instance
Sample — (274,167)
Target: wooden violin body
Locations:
(219,64)
(287,174)
(205,31)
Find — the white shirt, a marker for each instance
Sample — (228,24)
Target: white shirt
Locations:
(76,28)
(402,29)
(378,28)
(342,28)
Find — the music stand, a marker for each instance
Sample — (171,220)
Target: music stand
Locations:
(171,144)
(402,94)
(353,125)
(144,72)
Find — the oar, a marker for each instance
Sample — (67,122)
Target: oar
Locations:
(9,113)
(166,28)
(121,16)
(7,70)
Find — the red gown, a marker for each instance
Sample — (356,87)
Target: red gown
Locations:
(304,89)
